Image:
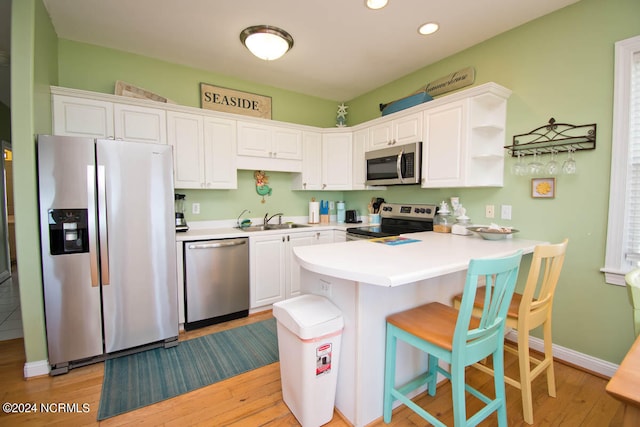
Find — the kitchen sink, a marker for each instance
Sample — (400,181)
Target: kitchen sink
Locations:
(286,226)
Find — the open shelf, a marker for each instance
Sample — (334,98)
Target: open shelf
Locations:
(554,137)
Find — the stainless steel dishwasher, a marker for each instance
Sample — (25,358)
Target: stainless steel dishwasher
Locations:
(216,281)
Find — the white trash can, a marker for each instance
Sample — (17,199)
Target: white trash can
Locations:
(309,336)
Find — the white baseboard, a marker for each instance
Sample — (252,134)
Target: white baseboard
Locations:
(35,369)
(582,360)
(590,363)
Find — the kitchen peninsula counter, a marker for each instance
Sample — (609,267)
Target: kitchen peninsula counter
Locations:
(430,255)
(369,280)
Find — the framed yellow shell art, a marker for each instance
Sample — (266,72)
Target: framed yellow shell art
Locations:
(543,188)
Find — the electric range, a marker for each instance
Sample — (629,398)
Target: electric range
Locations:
(396,219)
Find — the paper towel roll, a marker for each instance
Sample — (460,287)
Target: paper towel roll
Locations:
(314,212)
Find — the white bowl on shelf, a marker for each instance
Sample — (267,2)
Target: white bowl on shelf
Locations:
(492,234)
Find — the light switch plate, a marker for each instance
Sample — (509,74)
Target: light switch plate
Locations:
(505,212)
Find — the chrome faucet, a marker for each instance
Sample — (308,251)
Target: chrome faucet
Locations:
(266,220)
(240,216)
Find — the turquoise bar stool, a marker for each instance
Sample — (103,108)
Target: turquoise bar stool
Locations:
(633,287)
(528,311)
(457,338)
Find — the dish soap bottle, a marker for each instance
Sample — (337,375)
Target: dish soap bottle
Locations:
(443,220)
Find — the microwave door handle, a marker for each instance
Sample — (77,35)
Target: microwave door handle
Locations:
(399,165)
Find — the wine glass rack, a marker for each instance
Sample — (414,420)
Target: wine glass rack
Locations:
(554,137)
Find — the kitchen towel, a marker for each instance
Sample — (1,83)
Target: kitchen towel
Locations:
(141,379)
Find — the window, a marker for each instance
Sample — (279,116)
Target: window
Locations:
(623,232)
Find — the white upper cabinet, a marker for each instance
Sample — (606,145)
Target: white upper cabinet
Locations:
(82,117)
(77,116)
(311,176)
(203,151)
(402,130)
(327,162)
(359,173)
(443,145)
(269,147)
(185,133)
(140,124)
(337,161)
(220,153)
(464,141)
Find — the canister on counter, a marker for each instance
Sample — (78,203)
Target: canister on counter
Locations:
(443,220)
(341,212)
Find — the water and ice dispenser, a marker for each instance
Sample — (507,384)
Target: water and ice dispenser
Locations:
(68,231)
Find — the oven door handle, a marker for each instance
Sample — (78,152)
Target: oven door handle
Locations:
(399,165)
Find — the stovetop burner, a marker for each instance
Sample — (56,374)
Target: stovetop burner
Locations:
(398,219)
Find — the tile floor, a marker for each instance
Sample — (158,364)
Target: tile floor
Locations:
(10,316)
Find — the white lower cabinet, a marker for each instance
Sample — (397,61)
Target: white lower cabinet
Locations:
(275,274)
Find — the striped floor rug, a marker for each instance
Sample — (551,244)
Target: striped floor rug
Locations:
(141,379)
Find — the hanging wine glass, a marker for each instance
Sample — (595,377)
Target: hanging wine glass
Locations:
(569,166)
(535,167)
(519,168)
(552,167)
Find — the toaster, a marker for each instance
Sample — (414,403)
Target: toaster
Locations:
(351,216)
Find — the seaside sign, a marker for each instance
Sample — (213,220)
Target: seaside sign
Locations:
(234,101)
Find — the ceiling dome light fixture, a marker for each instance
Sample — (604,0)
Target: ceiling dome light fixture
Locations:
(376,4)
(266,42)
(428,28)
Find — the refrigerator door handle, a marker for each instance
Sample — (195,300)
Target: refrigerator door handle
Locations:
(102,222)
(93,249)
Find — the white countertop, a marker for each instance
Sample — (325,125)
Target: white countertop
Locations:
(225,230)
(435,254)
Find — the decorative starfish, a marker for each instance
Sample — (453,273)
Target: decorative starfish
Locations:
(342,110)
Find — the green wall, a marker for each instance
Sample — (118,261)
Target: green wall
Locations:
(560,66)
(33,69)
(84,66)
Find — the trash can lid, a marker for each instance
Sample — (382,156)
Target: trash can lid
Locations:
(308,316)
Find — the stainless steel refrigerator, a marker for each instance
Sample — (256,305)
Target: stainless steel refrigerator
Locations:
(108,247)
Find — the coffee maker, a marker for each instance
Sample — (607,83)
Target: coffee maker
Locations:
(181,223)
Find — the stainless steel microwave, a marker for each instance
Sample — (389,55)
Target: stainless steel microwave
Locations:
(395,165)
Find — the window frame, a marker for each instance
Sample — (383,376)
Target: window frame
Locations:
(616,265)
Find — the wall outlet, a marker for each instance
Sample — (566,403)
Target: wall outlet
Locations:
(195,208)
(505,212)
(489,211)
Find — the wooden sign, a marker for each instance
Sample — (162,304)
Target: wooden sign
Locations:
(453,81)
(234,101)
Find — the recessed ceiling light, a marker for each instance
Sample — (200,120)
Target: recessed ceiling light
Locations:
(428,28)
(376,4)
(266,42)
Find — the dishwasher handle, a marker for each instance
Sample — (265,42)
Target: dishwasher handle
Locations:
(213,245)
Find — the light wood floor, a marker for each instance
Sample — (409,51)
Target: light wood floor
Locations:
(255,398)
